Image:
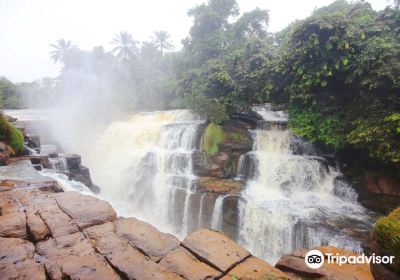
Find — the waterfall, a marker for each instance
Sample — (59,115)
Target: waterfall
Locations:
(294,198)
(144,166)
(58,163)
(216,220)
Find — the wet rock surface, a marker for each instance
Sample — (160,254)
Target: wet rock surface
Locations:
(217,185)
(65,235)
(146,238)
(182,262)
(295,265)
(253,269)
(215,248)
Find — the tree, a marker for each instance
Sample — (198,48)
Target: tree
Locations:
(251,24)
(126,47)
(61,48)
(223,60)
(161,41)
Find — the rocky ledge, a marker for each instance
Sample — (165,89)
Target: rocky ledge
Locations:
(294,265)
(49,234)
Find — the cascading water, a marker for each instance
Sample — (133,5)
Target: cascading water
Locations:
(143,163)
(293,199)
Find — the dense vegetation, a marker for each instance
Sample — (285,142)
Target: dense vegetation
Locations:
(337,72)
(9,96)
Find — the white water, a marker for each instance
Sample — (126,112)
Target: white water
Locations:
(294,201)
(141,163)
(216,220)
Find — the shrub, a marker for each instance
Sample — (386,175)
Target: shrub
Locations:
(12,136)
(387,230)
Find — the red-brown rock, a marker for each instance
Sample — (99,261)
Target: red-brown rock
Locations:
(329,271)
(218,185)
(254,269)
(88,268)
(297,265)
(57,221)
(382,184)
(128,260)
(104,238)
(215,249)
(16,260)
(133,265)
(85,210)
(37,228)
(146,238)
(183,263)
(13,224)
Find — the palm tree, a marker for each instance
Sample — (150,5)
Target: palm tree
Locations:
(126,48)
(60,49)
(161,41)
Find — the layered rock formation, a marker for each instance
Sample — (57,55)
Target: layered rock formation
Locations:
(46,234)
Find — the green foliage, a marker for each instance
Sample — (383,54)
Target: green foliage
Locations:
(9,96)
(317,127)
(222,62)
(11,136)
(387,230)
(213,136)
(339,72)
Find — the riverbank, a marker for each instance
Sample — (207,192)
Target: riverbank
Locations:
(67,232)
(46,233)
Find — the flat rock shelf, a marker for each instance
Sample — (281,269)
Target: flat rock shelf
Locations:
(49,234)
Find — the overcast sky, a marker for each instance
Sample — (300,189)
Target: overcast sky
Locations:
(28,27)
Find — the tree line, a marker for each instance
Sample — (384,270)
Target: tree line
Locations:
(337,72)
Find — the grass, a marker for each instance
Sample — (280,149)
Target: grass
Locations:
(12,136)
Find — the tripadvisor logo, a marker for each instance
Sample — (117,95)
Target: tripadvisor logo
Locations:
(315,259)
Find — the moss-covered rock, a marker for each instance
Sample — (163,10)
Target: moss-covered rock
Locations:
(213,136)
(387,234)
(222,146)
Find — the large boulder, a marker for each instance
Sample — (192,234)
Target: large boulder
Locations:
(130,262)
(254,269)
(183,263)
(146,238)
(295,265)
(85,210)
(43,160)
(87,267)
(215,249)
(385,241)
(12,217)
(16,260)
